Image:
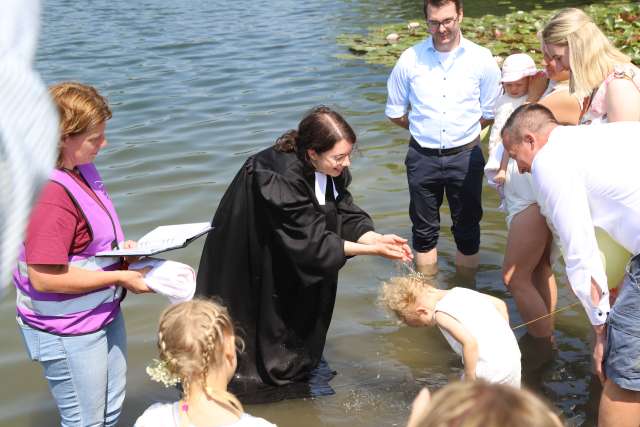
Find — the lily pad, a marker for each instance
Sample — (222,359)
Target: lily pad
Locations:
(503,35)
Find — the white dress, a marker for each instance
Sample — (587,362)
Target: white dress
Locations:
(518,187)
(498,351)
(517,193)
(505,105)
(168,415)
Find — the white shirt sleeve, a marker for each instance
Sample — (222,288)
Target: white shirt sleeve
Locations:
(562,197)
(398,89)
(490,87)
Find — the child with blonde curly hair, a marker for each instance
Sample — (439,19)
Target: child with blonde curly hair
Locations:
(475,325)
(197,347)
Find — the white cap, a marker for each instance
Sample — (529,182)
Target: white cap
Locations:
(517,66)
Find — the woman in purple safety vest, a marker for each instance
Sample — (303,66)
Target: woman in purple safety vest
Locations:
(68,299)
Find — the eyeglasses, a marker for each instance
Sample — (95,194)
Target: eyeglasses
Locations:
(447,23)
(339,160)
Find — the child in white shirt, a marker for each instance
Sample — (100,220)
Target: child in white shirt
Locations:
(517,70)
(475,325)
(197,349)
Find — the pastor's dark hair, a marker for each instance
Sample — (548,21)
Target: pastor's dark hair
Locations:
(320,129)
(440,3)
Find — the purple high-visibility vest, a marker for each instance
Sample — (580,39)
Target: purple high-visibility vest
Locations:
(73,314)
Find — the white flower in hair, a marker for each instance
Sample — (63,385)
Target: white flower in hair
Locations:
(159,372)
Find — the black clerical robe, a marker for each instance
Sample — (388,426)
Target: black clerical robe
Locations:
(273,258)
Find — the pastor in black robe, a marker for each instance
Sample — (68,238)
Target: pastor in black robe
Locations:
(273,259)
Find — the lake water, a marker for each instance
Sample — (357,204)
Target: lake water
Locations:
(198,85)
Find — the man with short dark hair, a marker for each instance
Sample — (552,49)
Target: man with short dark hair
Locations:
(586,177)
(444,90)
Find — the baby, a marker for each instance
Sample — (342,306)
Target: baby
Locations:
(475,325)
(517,70)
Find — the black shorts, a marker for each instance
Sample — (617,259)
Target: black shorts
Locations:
(459,176)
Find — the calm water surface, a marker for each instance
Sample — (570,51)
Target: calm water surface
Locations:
(198,85)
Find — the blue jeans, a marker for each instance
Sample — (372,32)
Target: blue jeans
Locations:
(622,358)
(86,373)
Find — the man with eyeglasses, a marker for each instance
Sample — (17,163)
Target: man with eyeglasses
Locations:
(444,90)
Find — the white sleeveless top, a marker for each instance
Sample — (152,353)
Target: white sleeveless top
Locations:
(498,351)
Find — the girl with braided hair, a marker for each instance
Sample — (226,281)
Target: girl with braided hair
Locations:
(197,347)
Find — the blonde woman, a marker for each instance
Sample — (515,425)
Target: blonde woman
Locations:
(478,403)
(600,74)
(197,349)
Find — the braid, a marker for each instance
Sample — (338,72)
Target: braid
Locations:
(218,321)
(165,355)
(191,341)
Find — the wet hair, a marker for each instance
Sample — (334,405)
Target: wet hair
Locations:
(81,108)
(531,117)
(481,404)
(320,129)
(400,292)
(440,3)
(592,57)
(191,339)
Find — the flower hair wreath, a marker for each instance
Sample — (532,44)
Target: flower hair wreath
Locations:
(159,372)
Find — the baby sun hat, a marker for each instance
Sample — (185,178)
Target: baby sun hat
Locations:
(517,66)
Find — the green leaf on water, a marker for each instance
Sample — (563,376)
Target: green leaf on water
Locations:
(503,35)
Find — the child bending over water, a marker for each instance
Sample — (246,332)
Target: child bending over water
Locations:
(197,349)
(475,325)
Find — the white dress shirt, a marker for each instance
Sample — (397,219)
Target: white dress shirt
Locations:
(588,176)
(444,94)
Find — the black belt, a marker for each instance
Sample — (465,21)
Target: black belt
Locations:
(444,151)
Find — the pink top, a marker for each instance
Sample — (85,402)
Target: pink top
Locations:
(597,112)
